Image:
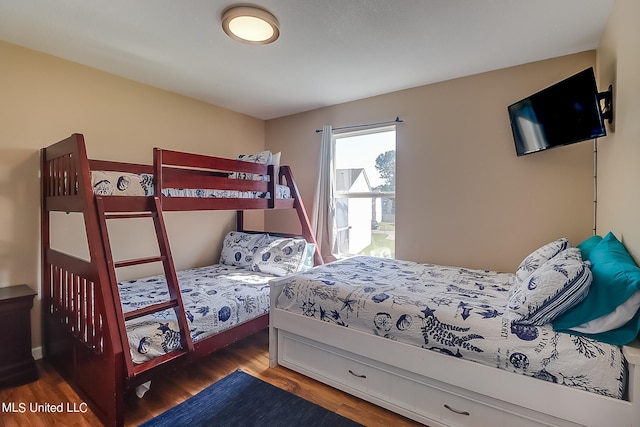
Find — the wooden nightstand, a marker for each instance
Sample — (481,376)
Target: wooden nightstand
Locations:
(16,361)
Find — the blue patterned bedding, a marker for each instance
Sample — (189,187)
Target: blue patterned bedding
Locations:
(107,183)
(215,298)
(455,311)
(282,192)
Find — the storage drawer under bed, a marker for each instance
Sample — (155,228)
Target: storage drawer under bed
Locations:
(418,398)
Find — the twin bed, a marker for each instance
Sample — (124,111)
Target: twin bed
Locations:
(439,344)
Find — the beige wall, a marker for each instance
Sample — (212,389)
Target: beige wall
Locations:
(619,153)
(45,99)
(463,197)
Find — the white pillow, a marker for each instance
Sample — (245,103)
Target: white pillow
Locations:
(239,248)
(280,257)
(275,161)
(620,316)
(538,257)
(264,157)
(553,288)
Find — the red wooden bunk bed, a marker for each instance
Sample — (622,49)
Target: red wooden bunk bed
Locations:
(84,335)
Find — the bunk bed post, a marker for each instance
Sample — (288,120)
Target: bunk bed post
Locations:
(271,186)
(240,220)
(110,392)
(45,291)
(307,232)
(158,176)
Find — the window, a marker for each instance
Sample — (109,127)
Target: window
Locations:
(364,192)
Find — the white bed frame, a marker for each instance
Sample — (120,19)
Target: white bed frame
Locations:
(436,389)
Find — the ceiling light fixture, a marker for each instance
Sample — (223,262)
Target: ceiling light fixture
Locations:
(250,24)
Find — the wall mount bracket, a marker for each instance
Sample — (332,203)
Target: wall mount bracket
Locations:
(607,108)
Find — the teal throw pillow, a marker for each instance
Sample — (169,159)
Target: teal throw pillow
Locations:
(616,277)
(587,246)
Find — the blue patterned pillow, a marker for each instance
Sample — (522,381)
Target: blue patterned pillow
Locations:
(238,248)
(538,257)
(281,257)
(555,287)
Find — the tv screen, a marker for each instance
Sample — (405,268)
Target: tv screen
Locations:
(567,112)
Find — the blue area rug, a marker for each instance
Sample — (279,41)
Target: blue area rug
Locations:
(242,400)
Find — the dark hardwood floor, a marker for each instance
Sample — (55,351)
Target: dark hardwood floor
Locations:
(250,355)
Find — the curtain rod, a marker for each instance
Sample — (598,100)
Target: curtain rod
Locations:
(397,120)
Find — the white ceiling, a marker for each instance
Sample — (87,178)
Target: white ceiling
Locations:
(329,51)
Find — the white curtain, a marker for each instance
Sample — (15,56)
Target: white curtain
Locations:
(323,219)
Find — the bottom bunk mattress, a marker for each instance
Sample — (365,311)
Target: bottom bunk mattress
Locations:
(215,298)
(455,311)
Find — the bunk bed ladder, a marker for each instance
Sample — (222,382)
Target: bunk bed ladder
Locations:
(112,208)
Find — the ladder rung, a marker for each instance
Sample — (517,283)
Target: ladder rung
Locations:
(145,366)
(129,215)
(130,262)
(150,309)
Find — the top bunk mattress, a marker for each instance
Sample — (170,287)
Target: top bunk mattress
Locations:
(109,183)
(455,311)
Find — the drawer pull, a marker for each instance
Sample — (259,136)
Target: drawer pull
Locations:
(456,410)
(357,375)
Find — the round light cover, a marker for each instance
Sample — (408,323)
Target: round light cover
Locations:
(250,25)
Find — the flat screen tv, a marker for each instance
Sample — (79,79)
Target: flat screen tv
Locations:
(562,114)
